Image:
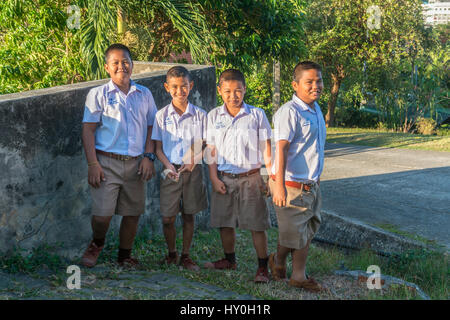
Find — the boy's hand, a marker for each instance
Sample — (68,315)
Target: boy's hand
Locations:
(146,169)
(279,195)
(173,175)
(218,186)
(186,167)
(95,176)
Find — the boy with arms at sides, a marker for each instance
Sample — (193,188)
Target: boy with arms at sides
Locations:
(299,133)
(117,127)
(237,136)
(179,131)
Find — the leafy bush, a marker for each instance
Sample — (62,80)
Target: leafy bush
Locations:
(352,117)
(425,125)
(21,260)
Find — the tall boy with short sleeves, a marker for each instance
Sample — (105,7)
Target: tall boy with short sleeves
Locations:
(117,127)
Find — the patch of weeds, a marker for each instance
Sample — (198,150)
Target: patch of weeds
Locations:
(21,260)
(392,228)
(428,269)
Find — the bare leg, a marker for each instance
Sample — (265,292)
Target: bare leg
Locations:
(100,226)
(170,232)
(228,239)
(281,256)
(127,233)
(188,232)
(299,263)
(260,243)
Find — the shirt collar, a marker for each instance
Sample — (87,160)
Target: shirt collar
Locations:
(244,109)
(133,87)
(303,105)
(189,109)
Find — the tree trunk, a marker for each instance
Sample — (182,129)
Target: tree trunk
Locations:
(121,26)
(335,85)
(276,85)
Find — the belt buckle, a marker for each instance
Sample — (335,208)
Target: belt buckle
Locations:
(124,157)
(234,175)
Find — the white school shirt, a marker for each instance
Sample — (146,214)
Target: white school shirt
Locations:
(237,140)
(178,133)
(123,118)
(305,129)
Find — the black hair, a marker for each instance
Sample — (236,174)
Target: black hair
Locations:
(178,71)
(231,74)
(304,65)
(117,46)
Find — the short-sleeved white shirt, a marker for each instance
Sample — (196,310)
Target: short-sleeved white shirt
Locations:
(123,118)
(305,130)
(237,140)
(178,133)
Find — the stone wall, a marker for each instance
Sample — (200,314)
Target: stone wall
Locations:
(44,194)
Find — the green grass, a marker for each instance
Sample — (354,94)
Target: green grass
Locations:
(429,270)
(386,139)
(24,261)
(394,229)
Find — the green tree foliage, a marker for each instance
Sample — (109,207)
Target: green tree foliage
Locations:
(37,49)
(339,36)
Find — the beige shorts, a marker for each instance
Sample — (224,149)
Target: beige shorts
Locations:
(187,196)
(242,206)
(123,192)
(300,219)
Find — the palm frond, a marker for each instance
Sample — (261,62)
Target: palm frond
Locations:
(97,25)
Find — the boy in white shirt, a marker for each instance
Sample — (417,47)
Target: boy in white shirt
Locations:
(299,133)
(117,129)
(238,134)
(179,131)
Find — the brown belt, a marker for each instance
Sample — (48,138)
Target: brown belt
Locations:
(116,156)
(239,175)
(293,184)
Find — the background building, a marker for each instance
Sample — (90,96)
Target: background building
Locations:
(436,12)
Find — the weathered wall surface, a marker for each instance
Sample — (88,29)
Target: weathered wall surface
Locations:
(44,195)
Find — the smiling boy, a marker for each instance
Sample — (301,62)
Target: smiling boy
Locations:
(117,127)
(238,134)
(179,131)
(299,133)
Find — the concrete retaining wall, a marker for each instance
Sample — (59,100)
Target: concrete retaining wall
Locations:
(44,195)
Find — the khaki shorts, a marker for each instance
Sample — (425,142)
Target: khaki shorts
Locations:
(300,219)
(187,196)
(242,206)
(123,192)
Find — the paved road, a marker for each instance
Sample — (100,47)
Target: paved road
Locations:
(406,188)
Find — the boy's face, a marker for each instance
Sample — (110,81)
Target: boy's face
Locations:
(119,66)
(179,88)
(310,85)
(232,93)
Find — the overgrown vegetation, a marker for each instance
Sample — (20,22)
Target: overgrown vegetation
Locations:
(428,269)
(392,74)
(385,138)
(28,261)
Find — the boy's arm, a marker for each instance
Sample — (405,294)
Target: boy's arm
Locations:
(146,167)
(279,193)
(193,156)
(162,157)
(217,184)
(266,148)
(95,172)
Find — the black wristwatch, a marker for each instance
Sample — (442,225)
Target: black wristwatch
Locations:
(150,156)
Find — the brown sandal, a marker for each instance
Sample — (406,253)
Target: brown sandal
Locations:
(278,272)
(309,284)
